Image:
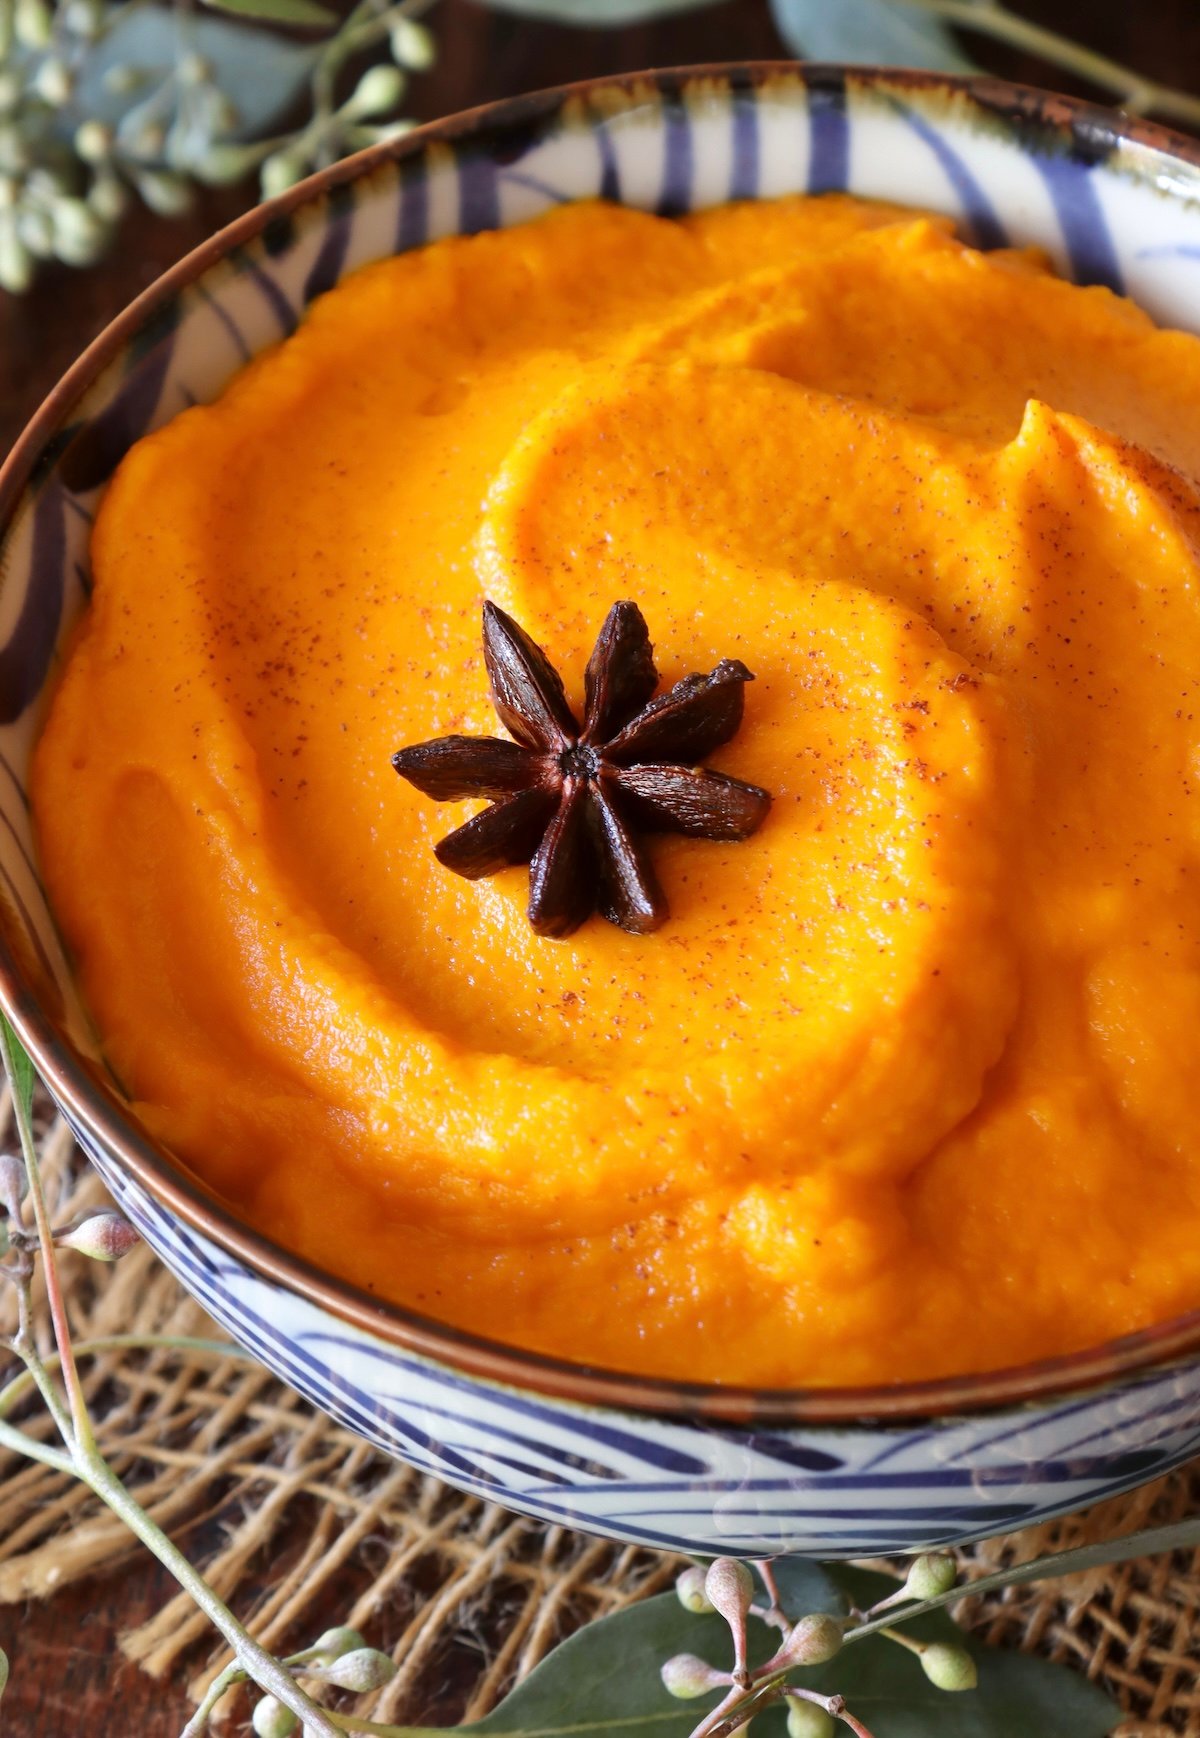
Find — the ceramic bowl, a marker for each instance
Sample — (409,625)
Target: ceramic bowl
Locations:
(833,1472)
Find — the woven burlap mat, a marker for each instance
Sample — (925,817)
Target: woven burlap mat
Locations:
(298,1524)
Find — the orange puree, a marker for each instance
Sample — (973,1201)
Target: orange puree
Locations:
(907,1085)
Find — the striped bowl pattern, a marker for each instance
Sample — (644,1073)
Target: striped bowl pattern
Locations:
(691,1469)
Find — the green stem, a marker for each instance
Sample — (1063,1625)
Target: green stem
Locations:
(1180,1535)
(81,1425)
(20,1443)
(233,1674)
(996,21)
(19,1386)
(254,1659)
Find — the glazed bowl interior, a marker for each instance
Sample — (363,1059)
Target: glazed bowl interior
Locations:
(1110,203)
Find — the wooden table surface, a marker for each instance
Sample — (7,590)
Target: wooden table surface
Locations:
(68,1677)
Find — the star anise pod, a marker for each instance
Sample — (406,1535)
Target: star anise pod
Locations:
(570,800)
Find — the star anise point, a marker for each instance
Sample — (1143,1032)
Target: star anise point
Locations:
(569,799)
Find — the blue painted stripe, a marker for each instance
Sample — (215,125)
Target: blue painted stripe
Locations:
(1085,233)
(330,263)
(535,184)
(271,293)
(745,170)
(412,211)
(610,174)
(979,220)
(675,193)
(217,307)
(828,135)
(478,193)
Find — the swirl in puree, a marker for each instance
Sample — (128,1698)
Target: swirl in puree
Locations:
(905,1086)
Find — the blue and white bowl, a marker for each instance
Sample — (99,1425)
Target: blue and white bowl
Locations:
(832,1472)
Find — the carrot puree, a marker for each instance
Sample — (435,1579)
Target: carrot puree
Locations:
(907,1084)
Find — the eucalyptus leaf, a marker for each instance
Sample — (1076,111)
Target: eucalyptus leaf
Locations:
(21,1071)
(3,1671)
(260,73)
(878,32)
(590,13)
(604,1680)
(305,12)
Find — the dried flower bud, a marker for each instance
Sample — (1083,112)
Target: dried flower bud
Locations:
(122,80)
(36,231)
(168,195)
(949,1666)
(194,69)
(812,1641)
(93,141)
(280,171)
(807,1720)
(16,261)
(84,18)
(333,1644)
(377,92)
(54,81)
(108,196)
(412,45)
(729,1587)
(686,1676)
(931,1575)
(363,1668)
(690,1591)
(34,23)
(14,1184)
(271,1719)
(104,1236)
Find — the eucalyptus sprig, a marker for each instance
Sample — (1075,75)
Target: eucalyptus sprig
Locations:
(821,1640)
(104,100)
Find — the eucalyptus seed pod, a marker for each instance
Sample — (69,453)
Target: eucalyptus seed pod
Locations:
(218,165)
(167,194)
(14,153)
(194,69)
(224,114)
(142,138)
(363,1668)
(33,22)
(271,1719)
(108,196)
(333,1644)
(812,1641)
(689,1590)
(949,1666)
(36,231)
(104,1236)
(54,81)
(93,142)
(14,1183)
(84,18)
(931,1575)
(808,1720)
(687,1676)
(122,80)
(16,261)
(412,45)
(729,1587)
(79,240)
(360,137)
(280,171)
(377,92)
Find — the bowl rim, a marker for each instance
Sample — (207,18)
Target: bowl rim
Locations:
(91,1105)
